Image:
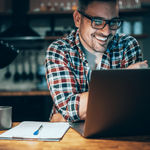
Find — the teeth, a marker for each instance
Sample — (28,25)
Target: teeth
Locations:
(100,38)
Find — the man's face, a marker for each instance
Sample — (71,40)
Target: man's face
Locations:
(96,40)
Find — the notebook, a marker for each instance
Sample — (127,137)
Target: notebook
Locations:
(26,129)
(118,104)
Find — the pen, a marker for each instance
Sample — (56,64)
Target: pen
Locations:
(38,130)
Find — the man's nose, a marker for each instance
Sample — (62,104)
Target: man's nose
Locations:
(106,30)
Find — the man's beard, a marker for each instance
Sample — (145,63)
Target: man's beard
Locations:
(104,46)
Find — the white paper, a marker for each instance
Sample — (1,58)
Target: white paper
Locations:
(26,129)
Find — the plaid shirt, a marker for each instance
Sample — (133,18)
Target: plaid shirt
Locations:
(68,72)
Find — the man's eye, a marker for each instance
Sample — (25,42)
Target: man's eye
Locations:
(98,22)
(114,22)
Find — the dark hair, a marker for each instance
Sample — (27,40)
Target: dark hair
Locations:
(83,4)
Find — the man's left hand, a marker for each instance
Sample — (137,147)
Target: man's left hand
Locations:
(138,65)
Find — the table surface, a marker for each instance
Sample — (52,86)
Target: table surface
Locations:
(24,93)
(73,141)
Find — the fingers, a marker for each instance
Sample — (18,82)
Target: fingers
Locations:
(139,65)
(57,118)
(143,64)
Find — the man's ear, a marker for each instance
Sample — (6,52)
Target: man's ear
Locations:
(77,18)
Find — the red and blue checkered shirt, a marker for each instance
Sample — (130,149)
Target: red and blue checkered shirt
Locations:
(68,71)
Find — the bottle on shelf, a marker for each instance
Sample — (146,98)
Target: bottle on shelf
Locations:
(68,6)
(49,6)
(138,3)
(62,6)
(129,4)
(74,6)
(42,7)
(56,6)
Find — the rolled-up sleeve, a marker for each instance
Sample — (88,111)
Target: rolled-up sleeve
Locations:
(132,52)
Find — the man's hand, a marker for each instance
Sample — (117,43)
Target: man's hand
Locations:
(139,65)
(83,105)
(84,96)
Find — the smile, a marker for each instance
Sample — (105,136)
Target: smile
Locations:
(104,39)
(101,39)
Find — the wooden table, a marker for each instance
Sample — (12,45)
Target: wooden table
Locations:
(24,93)
(73,141)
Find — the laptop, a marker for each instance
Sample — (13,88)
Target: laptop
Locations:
(118,104)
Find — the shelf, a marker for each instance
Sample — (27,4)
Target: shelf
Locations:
(50,13)
(142,36)
(24,93)
(5,14)
(31,38)
(23,38)
(137,11)
(52,38)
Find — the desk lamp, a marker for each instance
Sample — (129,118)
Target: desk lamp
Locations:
(7,54)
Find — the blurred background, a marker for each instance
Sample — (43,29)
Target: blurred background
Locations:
(31,25)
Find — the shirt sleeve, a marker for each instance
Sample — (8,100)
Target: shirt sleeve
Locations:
(132,52)
(62,83)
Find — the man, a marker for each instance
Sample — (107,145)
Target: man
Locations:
(94,45)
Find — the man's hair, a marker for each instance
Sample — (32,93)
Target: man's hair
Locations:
(83,4)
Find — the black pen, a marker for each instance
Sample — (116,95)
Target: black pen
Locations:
(38,130)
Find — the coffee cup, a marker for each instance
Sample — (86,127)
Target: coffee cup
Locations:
(5,117)
(137,28)
(127,27)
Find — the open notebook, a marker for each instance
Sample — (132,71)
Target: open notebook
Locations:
(25,130)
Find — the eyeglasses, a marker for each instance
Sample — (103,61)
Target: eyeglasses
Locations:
(100,23)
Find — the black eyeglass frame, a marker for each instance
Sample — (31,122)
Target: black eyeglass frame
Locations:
(99,18)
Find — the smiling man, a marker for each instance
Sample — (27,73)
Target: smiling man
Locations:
(93,45)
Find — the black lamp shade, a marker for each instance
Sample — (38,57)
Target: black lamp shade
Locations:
(7,54)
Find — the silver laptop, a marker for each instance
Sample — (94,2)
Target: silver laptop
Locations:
(118,104)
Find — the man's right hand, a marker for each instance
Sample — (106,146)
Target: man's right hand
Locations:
(83,105)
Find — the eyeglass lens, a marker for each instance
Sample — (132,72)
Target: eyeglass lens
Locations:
(113,24)
(98,23)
